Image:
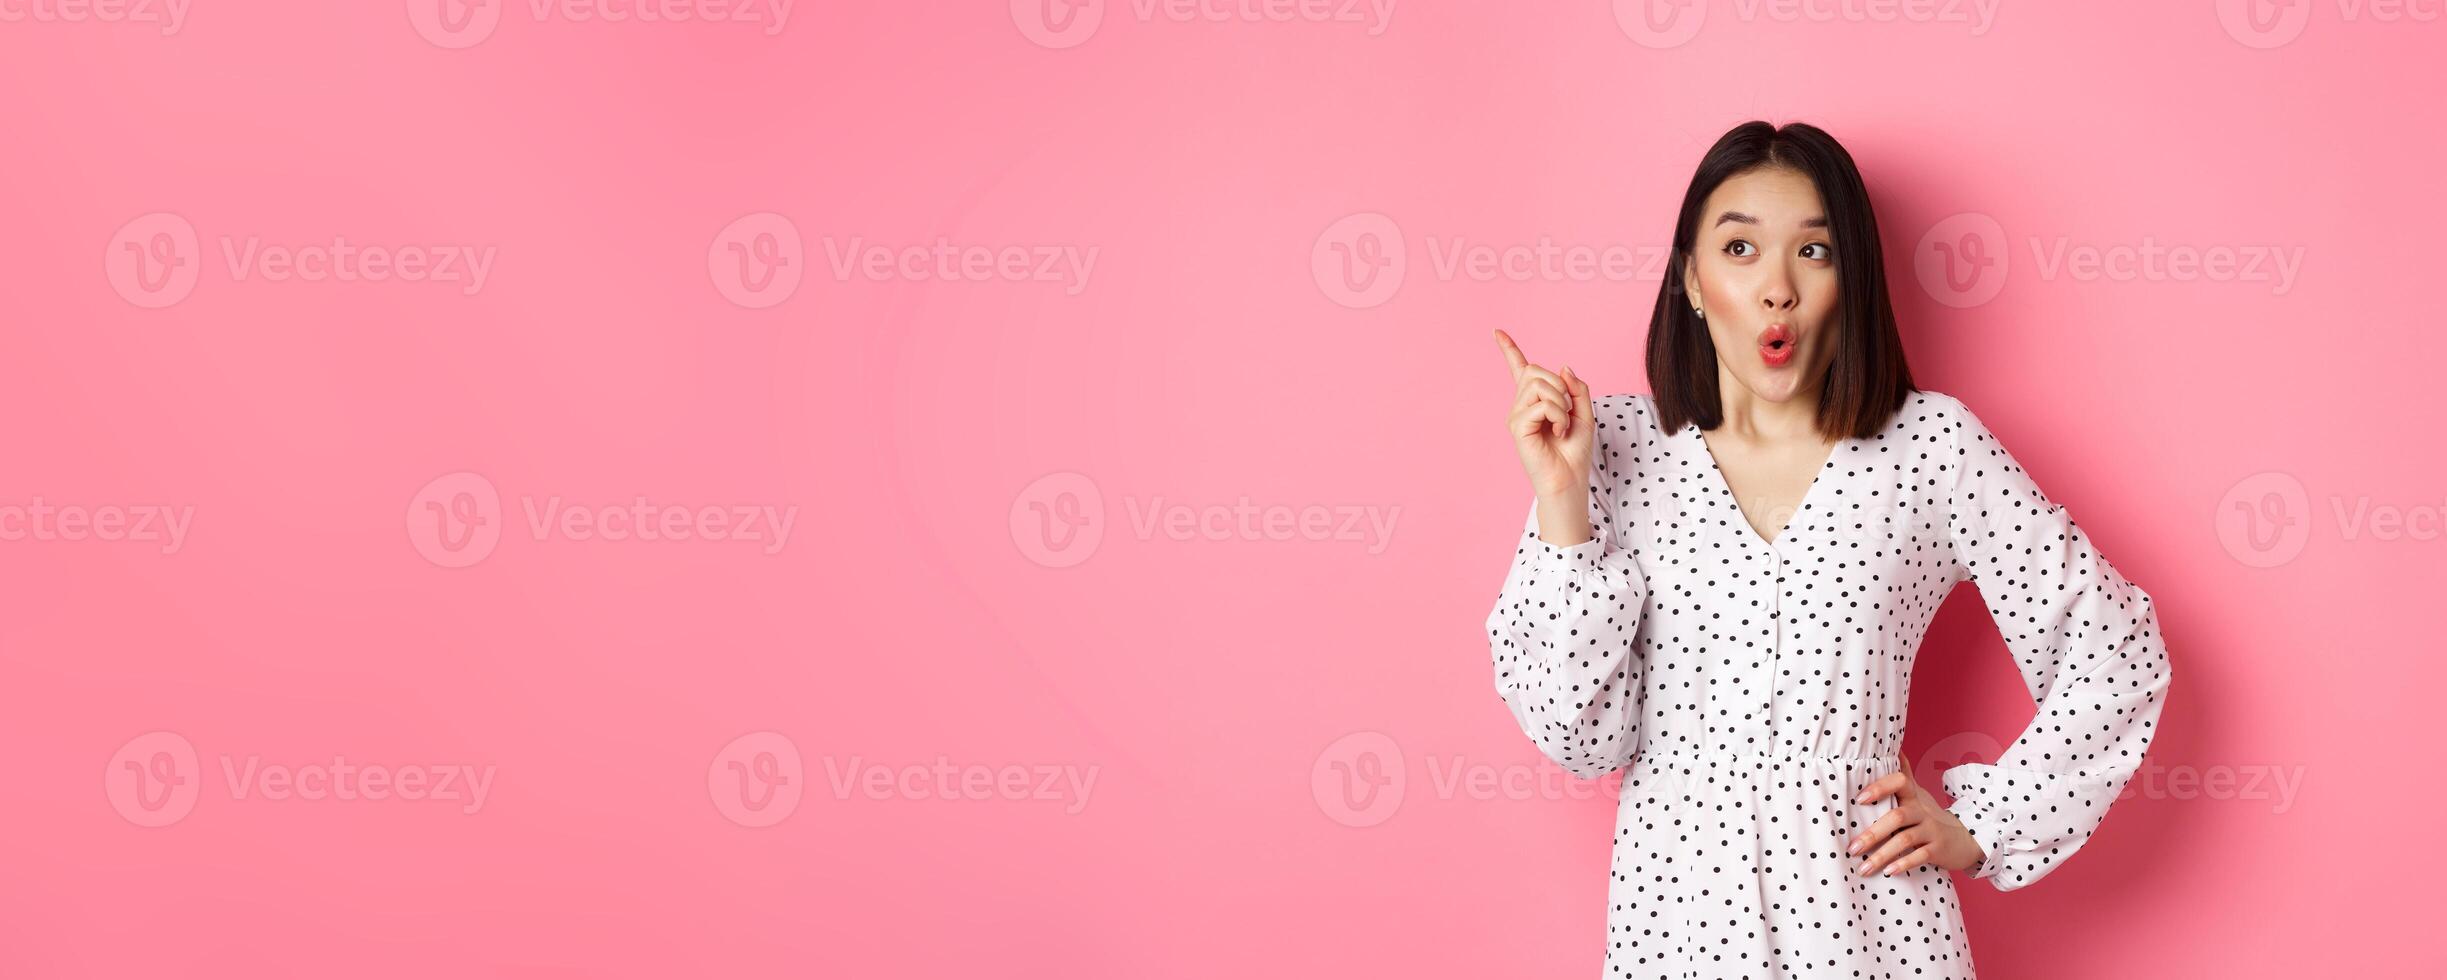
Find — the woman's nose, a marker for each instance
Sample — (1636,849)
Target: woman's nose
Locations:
(1779,294)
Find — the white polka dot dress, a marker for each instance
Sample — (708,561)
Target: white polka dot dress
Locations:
(1755,686)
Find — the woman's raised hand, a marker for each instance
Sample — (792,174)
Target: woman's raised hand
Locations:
(1553,424)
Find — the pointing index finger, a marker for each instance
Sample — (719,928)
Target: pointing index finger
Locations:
(1512,352)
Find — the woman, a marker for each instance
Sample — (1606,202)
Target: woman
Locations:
(1724,584)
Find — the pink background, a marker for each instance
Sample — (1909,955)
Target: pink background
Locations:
(1196,689)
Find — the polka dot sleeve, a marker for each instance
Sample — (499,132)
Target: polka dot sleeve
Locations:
(2088,647)
(1562,634)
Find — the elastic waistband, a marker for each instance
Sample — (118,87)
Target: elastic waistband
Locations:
(1753,756)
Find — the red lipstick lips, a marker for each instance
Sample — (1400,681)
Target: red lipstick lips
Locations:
(1776,344)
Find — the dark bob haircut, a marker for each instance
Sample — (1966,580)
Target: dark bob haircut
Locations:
(1867,381)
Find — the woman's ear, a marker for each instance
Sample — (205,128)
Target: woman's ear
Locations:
(1690,280)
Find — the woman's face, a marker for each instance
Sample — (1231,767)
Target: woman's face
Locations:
(1763,268)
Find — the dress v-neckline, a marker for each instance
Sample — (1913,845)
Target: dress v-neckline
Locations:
(1809,495)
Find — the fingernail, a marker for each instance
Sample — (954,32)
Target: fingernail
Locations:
(1853,848)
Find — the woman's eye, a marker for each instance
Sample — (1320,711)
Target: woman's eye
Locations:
(1735,244)
(1825,251)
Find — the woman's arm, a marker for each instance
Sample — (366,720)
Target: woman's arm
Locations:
(1562,635)
(2087,644)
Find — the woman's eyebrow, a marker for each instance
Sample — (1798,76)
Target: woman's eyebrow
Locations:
(1816,222)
